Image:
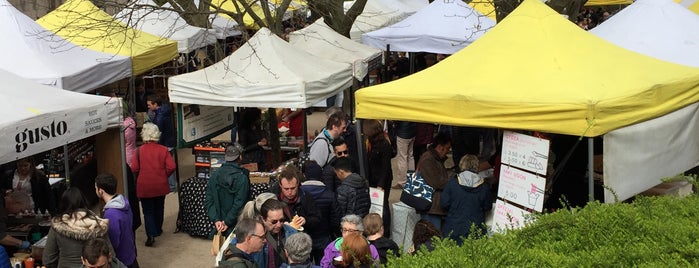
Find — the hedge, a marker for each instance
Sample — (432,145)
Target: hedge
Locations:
(649,232)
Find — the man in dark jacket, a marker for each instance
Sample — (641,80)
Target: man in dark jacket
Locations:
(340,150)
(300,209)
(323,197)
(352,194)
(227,192)
(252,239)
(431,167)
(118,211)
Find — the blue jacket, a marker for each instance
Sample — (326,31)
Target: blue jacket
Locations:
(466,200)
(163,119)
(118,212)
(262,256)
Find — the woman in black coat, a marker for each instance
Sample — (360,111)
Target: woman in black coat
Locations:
(379,173)
(26,178)
(252,139)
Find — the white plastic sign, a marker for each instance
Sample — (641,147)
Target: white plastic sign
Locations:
(522,188)
(507,217)
(525,152)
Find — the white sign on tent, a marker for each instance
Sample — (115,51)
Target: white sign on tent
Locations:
(508,216)
(521,187)
(525,152)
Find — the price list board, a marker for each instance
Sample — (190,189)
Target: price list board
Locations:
(508,216)
(523,188)
(525,152)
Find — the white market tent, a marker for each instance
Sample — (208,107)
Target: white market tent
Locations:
(35,53)
(443,26)
(37,118)
(675,31)
(266,71)
(321,40)
(146,16)
(380,13)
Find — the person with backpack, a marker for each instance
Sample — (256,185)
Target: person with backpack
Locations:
(321,148)
(323,197)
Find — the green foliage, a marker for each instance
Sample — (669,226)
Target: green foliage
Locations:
(650,232)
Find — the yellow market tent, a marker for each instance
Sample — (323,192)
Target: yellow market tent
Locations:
(485,7)
(607,2)
(536,71)
(229,5)
(84,24)
(695,7)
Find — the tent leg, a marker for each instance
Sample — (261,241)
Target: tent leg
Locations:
(304,127)
(122,141)
(590,168)
(360,150)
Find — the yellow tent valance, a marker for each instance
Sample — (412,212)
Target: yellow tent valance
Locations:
(536,71)
(608,2)
(84,24)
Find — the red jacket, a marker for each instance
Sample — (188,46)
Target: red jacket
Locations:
(154,164)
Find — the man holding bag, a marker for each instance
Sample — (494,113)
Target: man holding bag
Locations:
(431,167)
(227,192)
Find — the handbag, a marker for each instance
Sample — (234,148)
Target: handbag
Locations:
(216,243)
(417,193)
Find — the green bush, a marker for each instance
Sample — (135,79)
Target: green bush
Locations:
(650,232)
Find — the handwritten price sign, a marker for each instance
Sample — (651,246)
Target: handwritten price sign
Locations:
(522,188)
(525,152)
(507,217)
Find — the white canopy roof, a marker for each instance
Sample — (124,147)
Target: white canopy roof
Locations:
(37,118)
(320,40)
(266,71)
(380,13)
(442,27)
(167,24)
(35,53)
(658,28)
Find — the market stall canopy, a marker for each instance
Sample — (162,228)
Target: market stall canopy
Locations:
(34,53)
(485,7)
(37,118)
(536,71)
(658,28)
(84,24)
(607,2)
(223,26)
(266,71)
(444,26)
(235,5)
(381,13)
(147,16)
(320,40)
(695,7)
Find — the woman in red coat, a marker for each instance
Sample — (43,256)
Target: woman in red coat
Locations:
(153,164)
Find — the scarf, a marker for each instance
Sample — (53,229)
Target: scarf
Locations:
(288,202)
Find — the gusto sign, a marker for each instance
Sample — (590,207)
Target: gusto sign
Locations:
(31,136)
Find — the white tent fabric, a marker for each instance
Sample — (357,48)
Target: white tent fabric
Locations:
(37,118)
(266,71)
(35,53)
(637,157)
(319,39)
(444,26)
(378,14)
(687,3)
(145,15)
(675,31)
(223,27)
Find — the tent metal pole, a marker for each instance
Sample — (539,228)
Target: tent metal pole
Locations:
(590,168)
(304,126)
(360,150)
(122,141)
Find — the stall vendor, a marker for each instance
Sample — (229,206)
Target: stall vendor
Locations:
(26,179)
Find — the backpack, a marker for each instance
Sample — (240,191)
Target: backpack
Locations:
(305,156)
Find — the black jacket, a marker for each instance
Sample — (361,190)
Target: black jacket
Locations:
(352,198)
(380,173)
(304,207)
(383,245)
(41,190)
(323,198)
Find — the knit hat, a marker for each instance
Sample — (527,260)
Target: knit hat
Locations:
(313,171)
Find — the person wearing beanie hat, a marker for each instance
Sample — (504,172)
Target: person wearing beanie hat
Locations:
(323,197)
(227,191)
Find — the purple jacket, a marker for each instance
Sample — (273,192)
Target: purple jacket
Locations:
(118,212)
(333,250)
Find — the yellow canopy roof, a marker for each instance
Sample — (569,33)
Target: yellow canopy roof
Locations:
(485,7)
(607,2)
(536,71)
(256,8)
(695,7)
(84,24)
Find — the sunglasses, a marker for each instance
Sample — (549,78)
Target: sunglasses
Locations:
(345,152)
(273,222)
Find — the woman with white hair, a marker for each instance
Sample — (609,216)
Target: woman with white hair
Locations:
(297,248)
(153,164)
(350,224)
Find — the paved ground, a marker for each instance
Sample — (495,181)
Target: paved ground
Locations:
(180,249)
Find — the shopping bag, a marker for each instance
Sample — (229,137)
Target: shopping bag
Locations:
(216,243)
(417,193)
(376,197)
(403,224)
